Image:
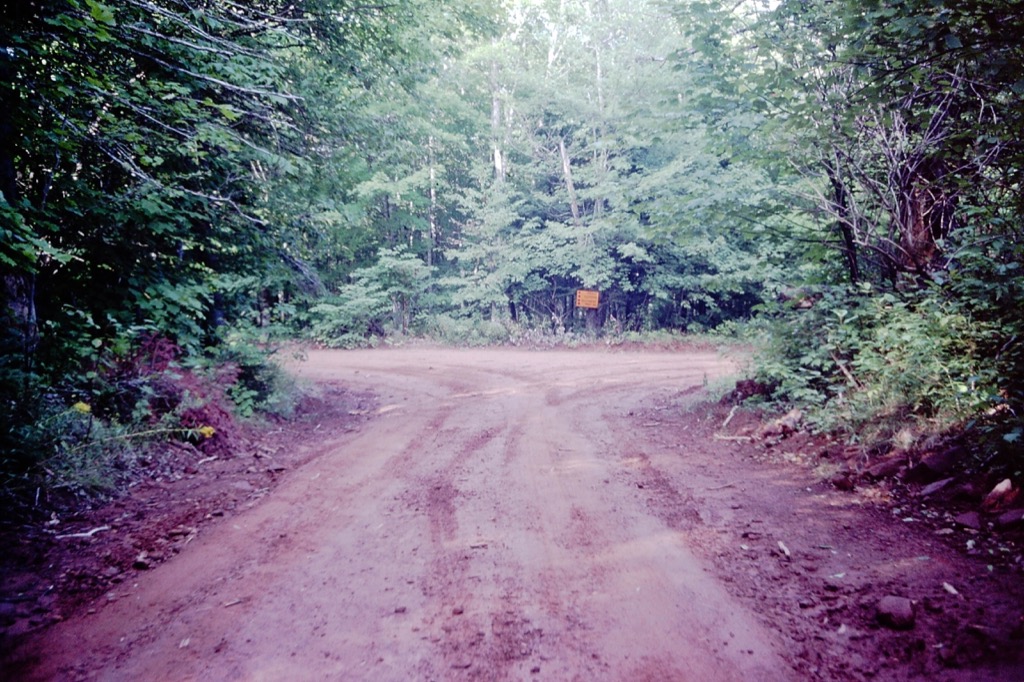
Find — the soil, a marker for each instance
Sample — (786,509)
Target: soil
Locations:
(439,514)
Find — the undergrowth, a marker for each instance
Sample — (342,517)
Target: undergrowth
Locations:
(890,370)
(89,434)
(474,331)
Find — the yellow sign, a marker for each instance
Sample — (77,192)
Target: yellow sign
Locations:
(586,298)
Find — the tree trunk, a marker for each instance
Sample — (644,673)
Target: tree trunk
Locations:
(569,185)
(17,288)
(842,210)
(432,211)
(499,161)
(18,301)
(925,217)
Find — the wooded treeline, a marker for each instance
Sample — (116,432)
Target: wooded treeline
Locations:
(177,176)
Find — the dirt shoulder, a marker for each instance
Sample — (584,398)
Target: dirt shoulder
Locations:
(437,514)
(62,563)
(817,562)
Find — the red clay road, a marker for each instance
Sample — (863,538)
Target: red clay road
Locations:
(480,526)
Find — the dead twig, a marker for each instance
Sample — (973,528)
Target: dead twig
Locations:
(732,413)
(86,534)
(845,371)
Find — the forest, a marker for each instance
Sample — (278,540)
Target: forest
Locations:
(188,185)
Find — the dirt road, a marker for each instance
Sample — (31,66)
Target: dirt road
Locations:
(501,514)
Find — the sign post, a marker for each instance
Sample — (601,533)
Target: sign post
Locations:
(586,298)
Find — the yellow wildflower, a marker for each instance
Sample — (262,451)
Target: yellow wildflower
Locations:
(81,408)
(207,431)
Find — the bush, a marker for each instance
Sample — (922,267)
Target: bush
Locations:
(380,298)
(351,320)
(254,383)
(867,362)
(87,436)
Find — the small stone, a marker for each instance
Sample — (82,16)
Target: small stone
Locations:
(142,562)
(933,488)
(896,612)
(970,520)
(981,632)
(935,465)
(885,469)
(1011,519)
(458,611)
(966,491)
(1001,496)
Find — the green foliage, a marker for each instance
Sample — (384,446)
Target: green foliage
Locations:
(470,331)
(94,438)
(903,121)
(599,166)
(247,369)
(167,170)
(382,297)
(869,363)
(78,452)
(352,321)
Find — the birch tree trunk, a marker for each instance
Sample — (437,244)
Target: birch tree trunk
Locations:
(496,136)
(567,171)
(432,211)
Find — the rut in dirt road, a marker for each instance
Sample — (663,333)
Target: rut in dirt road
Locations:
(484,525)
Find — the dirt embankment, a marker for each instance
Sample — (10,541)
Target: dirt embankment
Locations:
(497,514)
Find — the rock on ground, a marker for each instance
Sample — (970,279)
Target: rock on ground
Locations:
(896,612)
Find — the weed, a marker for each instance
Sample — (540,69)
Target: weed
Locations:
(880,366)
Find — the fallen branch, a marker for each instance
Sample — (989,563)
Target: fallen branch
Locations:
(732,413)
(87,534)
(845,371)
(739,438)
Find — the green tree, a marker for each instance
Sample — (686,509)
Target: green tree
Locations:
(169,167)
(902,119)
